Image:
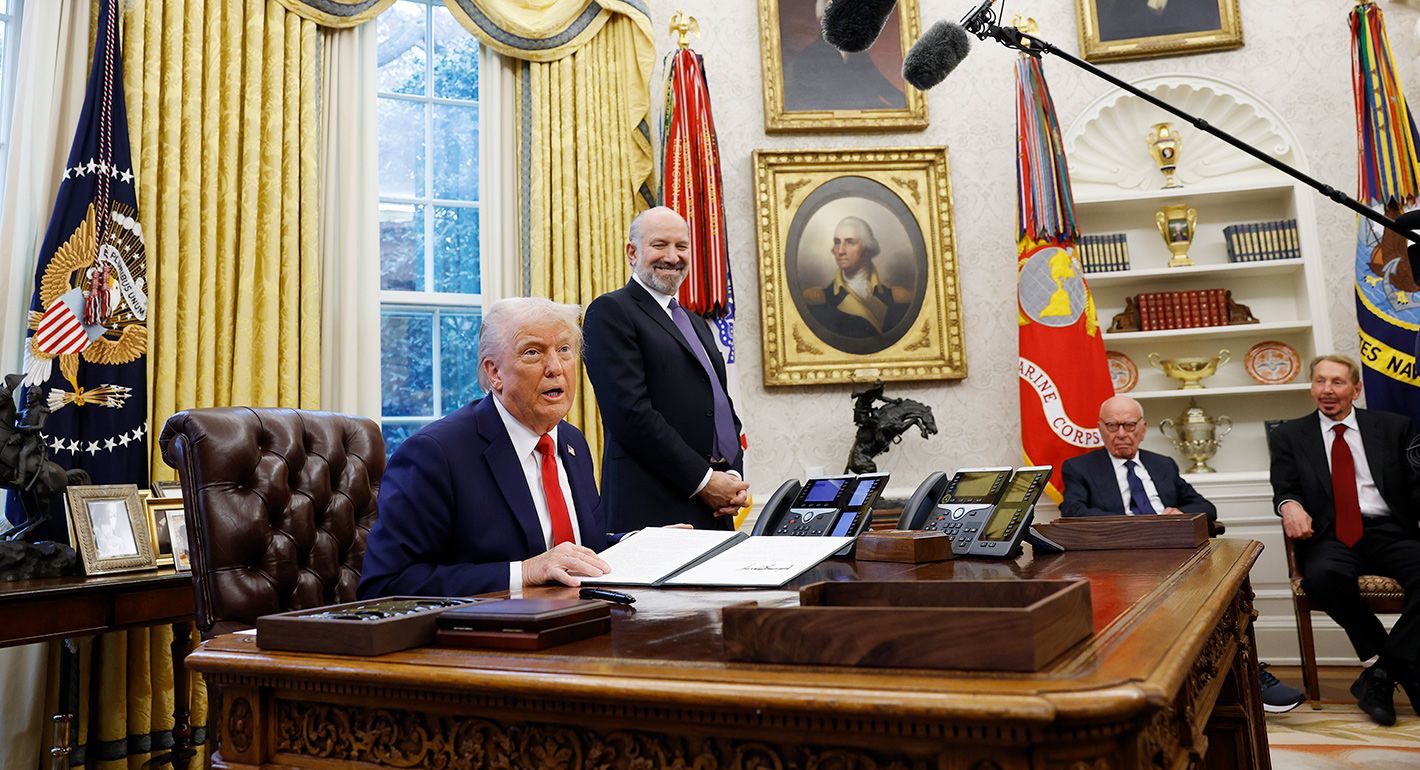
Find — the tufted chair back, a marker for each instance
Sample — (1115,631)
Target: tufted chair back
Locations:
(279,503)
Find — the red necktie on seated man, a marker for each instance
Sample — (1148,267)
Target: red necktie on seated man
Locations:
(1343,489)
(556,505)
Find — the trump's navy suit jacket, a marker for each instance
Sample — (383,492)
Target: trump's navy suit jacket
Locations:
(658,410)
(455,508)
(1092,490)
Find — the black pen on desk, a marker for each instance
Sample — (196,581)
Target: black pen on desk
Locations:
(616,597)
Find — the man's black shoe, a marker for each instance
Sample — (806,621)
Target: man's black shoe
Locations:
(1277,697)
(1375,694)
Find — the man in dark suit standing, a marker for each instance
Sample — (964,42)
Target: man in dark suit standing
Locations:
(1122,479)
(499,494)
(1349,499)
(672,450)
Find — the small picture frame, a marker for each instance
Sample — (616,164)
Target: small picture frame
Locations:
(158,509)
(167,489)
(110,528)
(177,534)
(1123,30)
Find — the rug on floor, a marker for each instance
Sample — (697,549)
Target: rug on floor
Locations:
(1340,737)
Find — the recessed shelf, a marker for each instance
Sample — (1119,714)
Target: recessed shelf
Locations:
(1226,270)
(1233,390)
(1209,332)
(1114,197)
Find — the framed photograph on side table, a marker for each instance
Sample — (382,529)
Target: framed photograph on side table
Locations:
(177,533)
(110,528)
(1119,30)
(858,269)
(158,509)
(811,86)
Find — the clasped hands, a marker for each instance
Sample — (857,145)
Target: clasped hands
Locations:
(726,493)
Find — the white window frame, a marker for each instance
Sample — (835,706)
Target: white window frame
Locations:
(11,17)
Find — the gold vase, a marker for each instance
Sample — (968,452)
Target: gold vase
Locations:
(1177,224)
(1191,370)
(1196,435)
(1165,145)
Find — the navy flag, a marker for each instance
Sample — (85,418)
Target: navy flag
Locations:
(88,334)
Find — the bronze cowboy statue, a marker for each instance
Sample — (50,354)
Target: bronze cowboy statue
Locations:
(35,480)
(879,427)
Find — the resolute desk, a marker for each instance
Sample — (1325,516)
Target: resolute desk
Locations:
(1169,680)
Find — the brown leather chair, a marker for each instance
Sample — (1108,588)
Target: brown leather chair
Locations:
(279,505)
(1382,594)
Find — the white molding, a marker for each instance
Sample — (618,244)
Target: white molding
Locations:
(497,176)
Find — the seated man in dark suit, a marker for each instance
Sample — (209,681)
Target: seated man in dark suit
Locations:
(1122,479)
(1349,499)
(499,494)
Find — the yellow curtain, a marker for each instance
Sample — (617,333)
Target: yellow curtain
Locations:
(585,147)
(337,14)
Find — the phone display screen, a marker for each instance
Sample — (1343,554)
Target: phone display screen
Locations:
(824,491)
(861,492)
(975,485)
(995,528)
(1018,489)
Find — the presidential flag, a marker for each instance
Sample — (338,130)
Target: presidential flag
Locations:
(1387,304)
(88,334)
(1063,375)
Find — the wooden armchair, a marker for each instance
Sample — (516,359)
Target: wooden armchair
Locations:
(1382,594)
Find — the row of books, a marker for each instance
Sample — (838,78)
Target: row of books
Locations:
(1259,241)
(1103,253)
(1182,309)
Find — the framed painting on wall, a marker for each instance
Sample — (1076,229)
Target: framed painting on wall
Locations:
(811,86)
(858,266)
(1119,30)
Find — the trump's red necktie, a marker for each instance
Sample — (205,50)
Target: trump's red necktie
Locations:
(1343,489)
(556,504)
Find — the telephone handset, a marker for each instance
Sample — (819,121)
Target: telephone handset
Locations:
(833,506)
(985,511)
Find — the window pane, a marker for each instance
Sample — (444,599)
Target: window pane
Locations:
(395,435)
(455,152)
(402,49)
(407,362)
(458,336)
(401,129)
(456,250)
(401,246)
(455,58)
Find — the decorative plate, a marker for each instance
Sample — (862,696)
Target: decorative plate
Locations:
(1272,363)
(1123,374)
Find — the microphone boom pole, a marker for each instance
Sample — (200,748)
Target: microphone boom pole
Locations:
(982,23)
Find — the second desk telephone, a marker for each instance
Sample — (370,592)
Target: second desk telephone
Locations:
(985,511)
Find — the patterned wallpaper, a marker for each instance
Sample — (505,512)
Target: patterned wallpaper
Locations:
(1297,57)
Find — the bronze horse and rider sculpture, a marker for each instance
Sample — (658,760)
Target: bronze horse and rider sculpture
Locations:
(35,479)
(881,426)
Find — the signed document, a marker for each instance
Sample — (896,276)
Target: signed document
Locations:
(662,556)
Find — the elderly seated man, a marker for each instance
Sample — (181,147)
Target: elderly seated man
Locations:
(500,494)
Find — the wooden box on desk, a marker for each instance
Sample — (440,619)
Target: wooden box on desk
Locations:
(1105,533)
(369,627)
(906,546)
(1005,625)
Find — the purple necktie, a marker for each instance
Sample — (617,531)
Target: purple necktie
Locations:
(727,439)
(1138,497)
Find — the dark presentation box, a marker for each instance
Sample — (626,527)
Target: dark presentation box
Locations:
(372,627)
(523,624)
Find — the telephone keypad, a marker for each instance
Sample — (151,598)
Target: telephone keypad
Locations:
(806,522)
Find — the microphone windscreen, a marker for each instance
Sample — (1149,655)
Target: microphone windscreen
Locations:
(935,55)
(853,25)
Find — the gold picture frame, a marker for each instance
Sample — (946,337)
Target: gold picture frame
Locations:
(109,528)
(893,207)
(811,87)
(1121,30)
(157,509)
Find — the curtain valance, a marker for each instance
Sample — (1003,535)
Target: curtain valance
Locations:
(543,30)
(337,14)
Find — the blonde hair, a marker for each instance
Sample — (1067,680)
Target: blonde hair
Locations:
(1335,358)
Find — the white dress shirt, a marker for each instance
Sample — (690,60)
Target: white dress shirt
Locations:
(1372,504)
(1121,477)
(525,449)
(664,300)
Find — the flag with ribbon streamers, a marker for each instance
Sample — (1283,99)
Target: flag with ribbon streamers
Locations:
(88,335)
(1063,374)
(1387,302)
(691,186)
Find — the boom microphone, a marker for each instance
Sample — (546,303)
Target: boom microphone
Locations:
(852,25)
(935,55)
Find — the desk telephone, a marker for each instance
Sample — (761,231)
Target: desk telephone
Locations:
(833,506)
(985,511)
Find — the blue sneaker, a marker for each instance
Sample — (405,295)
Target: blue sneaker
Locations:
(1278,698)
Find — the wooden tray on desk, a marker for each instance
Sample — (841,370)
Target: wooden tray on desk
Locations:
(371,627)
(1107,533)
(1004,625)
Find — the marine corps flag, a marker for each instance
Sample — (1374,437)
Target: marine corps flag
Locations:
(1063,373)
(87,323)
(1387,303)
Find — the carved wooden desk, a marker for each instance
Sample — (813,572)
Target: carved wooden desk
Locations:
(1169,680)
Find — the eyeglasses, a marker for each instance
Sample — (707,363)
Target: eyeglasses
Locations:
(1113,427)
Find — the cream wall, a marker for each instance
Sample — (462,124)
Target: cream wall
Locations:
(1297,57)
